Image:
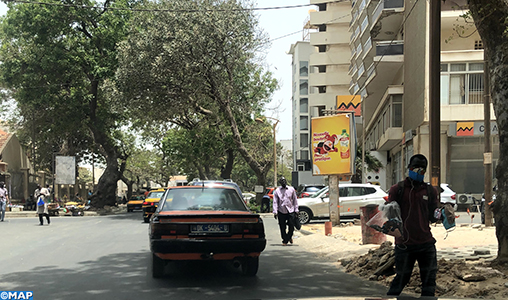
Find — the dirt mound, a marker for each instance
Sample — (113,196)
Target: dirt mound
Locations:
(455,278)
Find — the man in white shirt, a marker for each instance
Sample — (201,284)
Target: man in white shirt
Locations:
(284,204)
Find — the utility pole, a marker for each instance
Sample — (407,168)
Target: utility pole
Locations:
(487,154)
(435,92)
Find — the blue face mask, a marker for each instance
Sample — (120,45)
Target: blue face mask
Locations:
(415,176)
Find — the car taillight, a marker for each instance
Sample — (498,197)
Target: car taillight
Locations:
(305,195)
(453,196)
(145,203)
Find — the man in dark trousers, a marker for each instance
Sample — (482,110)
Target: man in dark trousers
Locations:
(418,202)
(285,203)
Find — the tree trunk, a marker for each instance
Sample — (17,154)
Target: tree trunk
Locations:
(490,19)
(105,194)
(228,168)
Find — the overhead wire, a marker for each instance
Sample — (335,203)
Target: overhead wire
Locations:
(161,10)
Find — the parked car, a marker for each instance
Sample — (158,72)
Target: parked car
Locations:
(135,203)
(448,195)
(307,190)
(151,202)
(352,196)
(208,222)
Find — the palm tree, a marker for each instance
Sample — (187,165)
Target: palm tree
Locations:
(371,162)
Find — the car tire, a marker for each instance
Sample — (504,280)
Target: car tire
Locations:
(305,215)
(157,266)
(129,210)
(250,266)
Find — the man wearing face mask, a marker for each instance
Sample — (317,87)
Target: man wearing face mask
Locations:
(418,201)
(284,204)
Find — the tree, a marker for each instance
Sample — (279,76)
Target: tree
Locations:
(491,20)
(371,162)
(55,61)
(197,60)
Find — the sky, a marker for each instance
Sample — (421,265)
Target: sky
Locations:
(276,23)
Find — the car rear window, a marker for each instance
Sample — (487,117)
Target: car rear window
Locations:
(313,189)
(203,199)
(155,194)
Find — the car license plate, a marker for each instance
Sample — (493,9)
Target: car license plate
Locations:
(210,228)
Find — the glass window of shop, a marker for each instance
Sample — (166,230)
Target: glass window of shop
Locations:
(466,171)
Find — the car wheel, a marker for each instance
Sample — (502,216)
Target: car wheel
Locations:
(157,266)
(250,266)
(305,215)
(129,210)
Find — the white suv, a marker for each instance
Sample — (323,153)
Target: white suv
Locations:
(352,196)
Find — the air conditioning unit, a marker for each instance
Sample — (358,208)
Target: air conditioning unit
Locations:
(465,199)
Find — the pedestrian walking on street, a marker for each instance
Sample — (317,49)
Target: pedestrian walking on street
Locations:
(4,199)
(285,203)
(42,205)
(418,202)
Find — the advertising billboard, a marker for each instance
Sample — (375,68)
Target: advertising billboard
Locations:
(65,170)
(333,144)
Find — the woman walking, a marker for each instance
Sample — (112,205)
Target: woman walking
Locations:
(42,206)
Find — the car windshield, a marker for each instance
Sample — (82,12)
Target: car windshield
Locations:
(155,194)
(319,193)
(137,198)
(203,199)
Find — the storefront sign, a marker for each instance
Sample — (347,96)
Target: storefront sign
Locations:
(350,103)
(473,128)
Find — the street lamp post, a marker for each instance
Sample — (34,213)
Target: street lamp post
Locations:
(259,120)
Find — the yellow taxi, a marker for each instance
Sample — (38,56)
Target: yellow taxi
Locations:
(151,202)
(135,202)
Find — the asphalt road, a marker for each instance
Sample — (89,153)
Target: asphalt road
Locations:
(108,257)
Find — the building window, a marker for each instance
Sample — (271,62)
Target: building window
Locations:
(304,87)
(396,111)
(322,69)
(322,89)
(304,68)
(304,123)
(304,105)
(301,167)
(305,154)
(322,48)
(322,7)
(304,140)
(462,83)
(322,28)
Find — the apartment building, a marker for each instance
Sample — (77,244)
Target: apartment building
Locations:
(320,74)
(389,45)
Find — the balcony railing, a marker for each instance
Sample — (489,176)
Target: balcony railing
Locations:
(389,48)
(386,4)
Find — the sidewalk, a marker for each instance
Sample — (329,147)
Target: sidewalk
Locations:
(472,243)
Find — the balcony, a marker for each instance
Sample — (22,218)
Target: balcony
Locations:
(390,48)
(387,19)
(389,139)
(329,37)
(330,17)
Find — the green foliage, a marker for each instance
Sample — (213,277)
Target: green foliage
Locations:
(200,69)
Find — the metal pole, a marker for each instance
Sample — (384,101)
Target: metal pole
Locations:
(487,155)
(434,91)
(275,155)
